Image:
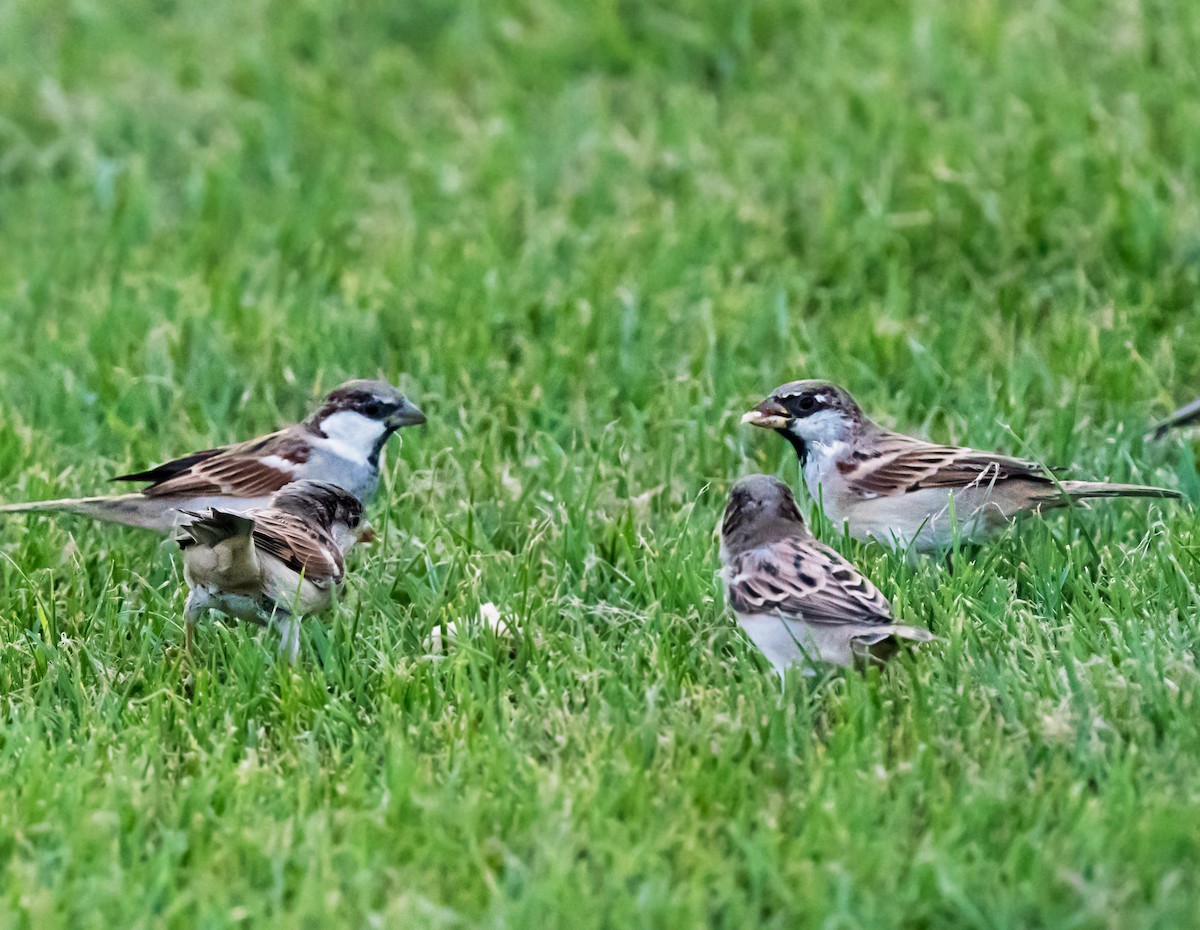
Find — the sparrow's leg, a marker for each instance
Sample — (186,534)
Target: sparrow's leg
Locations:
(192,610)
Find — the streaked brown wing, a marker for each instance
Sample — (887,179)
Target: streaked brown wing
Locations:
(807,580)
(299,545)
(911,465)
(249,469)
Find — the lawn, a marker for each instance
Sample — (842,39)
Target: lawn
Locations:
(585,238)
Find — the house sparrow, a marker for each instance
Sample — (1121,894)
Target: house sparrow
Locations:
(797,599)
(1184,416)
(340,442)
(905,492)
(272,565)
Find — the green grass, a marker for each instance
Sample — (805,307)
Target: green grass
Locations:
(586,237)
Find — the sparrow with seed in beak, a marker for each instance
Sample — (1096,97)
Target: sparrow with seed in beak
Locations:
(905,492)
(1184,416)
(798,600)
(341,442)
(273,565)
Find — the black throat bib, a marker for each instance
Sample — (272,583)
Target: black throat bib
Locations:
(797,444)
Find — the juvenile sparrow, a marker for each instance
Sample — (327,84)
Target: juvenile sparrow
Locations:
(797,599)
(272,565)
(341,442)
(1184,416)
(905,492)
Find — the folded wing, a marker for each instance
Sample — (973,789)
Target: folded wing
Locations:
(300,546)
(904,465)
(807,580)
(250,469)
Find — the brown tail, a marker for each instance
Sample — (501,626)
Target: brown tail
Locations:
(1082,490)
(881,644)
(128,509)
(212,527)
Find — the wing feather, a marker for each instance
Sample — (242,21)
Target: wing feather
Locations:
(300,546)
(806,580)
(249,469)
(903,465)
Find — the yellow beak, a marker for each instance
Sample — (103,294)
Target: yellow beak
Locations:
(770,414)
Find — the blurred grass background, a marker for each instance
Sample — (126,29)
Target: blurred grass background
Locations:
(585,237)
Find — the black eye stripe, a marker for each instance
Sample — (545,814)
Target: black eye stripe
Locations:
(373,407)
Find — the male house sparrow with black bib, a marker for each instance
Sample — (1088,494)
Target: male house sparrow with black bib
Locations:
(341,442)
(905,492)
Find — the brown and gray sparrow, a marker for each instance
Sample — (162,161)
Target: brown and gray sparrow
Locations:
(273,565)
(905,492)
(798,600)
(341,442)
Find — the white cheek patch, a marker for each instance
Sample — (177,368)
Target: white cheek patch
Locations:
(825,427)
(352,434)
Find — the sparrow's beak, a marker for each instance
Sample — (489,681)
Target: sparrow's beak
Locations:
(407,414)
(770,414)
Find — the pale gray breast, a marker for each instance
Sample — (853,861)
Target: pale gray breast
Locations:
(293,594)
(826,486)
(358,476)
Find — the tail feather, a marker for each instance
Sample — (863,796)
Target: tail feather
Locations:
(218,550)
(1082,490)
(128,509)
(880,644)
(212,527)
(917,634)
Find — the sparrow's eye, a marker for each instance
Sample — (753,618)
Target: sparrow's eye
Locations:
(807,403)
(374,410)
